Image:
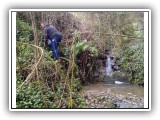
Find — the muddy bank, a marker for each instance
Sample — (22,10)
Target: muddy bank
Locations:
(113,96)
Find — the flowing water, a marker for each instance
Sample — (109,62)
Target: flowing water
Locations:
(113,93)
(108,67)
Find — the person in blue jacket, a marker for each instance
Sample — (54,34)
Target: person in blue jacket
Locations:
(52,37)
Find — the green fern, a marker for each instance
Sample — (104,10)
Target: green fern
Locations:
(82,46)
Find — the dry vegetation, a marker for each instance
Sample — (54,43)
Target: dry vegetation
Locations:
(44,83)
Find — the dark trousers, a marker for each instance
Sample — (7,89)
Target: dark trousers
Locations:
(54,46)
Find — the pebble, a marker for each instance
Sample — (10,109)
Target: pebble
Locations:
(106,100)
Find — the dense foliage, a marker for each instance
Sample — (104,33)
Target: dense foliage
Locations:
(132,63)
(132,56)
(43,82)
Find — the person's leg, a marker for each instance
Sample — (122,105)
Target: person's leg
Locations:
(54,49)
(57,44)
(58,39)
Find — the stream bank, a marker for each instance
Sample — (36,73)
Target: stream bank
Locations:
(102,95)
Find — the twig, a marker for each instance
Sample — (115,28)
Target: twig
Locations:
(34,68)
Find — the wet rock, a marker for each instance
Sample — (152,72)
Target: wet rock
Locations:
(141,84)
(127,104)
(115,67)
(96,74)
(119,76)
(108,80)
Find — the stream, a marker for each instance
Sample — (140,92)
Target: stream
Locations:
(102,95)
(113,91)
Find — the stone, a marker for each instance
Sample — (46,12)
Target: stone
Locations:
(108,80)
(119,76)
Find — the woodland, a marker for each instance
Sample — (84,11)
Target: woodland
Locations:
(42,82)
